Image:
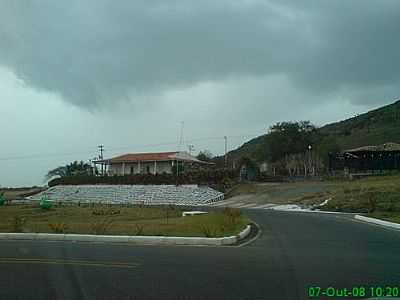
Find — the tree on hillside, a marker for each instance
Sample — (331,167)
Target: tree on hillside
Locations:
(287,138)
(205,155)
(72,169)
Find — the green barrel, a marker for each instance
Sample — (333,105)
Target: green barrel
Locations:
(45,203)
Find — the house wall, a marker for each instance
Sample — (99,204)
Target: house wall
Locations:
(145,167)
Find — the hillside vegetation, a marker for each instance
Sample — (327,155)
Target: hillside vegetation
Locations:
(372,128)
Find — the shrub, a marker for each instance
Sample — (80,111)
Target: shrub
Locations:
(138,229)
(45,203)
(209,231)
(204,176)
(18,224)
(233,214)
(372,199)
(58,227)
(105,212)
(101,226)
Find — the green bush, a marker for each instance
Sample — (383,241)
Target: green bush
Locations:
(45,203)
(2,200)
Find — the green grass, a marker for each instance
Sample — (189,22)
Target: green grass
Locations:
(372,195)
(162,221)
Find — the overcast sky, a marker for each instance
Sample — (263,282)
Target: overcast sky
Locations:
(76,74)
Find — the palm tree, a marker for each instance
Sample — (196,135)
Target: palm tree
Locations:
(73,169)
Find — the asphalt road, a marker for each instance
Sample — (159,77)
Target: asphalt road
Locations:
(295,251)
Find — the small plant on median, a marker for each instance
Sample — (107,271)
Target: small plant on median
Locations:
(105,212)
(101,226)
(138,229)
(168,210)
(18,224)
(372,199)
(58,227)
(233,214)
(209,231)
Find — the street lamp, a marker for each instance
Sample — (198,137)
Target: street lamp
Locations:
(309,156)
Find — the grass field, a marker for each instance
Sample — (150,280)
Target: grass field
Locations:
(305,193)
(161,221)
(367,195)
(377,197)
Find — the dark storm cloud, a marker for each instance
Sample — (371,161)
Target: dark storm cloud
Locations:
(96,52)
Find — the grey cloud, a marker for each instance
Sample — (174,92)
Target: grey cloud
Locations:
(99,52)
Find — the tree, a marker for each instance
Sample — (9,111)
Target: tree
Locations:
(72,169)
(205,155)
(287,138)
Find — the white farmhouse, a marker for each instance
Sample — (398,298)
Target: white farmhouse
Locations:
(149,163)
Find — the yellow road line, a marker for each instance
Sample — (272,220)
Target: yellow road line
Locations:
(86,263)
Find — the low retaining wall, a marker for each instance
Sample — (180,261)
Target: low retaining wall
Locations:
(141,240)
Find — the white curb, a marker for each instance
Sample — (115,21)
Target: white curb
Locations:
(244,233)
(377,221)
(143,240)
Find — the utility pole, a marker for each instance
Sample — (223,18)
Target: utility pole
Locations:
(181,136)
(179,150)
(226,151)
(101,149)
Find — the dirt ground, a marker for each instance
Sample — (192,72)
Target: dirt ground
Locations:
(20,193)
(302,193)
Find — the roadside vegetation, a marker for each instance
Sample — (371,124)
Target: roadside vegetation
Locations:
(374,196)
(377,197)
(305,193)
(113,220)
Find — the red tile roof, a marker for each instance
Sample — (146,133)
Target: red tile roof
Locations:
(162,156)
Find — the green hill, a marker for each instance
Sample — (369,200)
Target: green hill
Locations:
(377,126)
